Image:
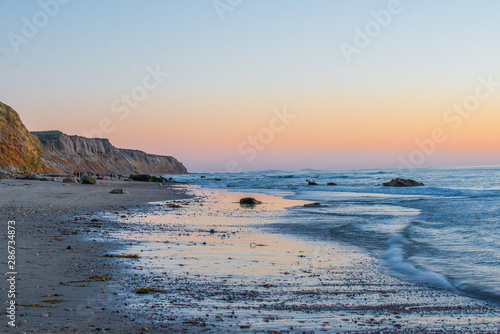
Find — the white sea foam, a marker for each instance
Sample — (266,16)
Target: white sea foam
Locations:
(394,256)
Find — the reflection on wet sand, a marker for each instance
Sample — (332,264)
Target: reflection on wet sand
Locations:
(223,267)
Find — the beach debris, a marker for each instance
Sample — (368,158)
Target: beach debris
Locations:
(53,301)
(69,247)
(249,201)
(402,183)
(144,329)
(118,191)
(100,278)
(311,183)
(128,256)
(70,180)
(331,184)
(253,245)
(147,178)
(144,291)
(31,305)
(89,180)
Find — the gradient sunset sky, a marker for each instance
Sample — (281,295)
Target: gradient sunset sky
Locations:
(366,84)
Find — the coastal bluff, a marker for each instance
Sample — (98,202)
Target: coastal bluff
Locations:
(22,152)
(63,153)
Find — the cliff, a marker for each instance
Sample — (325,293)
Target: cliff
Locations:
(63,153)
(20,151)
(23,152)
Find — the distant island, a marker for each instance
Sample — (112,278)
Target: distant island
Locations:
(24,152)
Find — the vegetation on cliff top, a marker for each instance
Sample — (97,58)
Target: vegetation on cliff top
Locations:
(45,136)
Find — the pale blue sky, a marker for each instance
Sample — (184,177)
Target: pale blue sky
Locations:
(263,55)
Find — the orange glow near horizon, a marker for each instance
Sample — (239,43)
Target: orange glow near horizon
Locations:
(372,124)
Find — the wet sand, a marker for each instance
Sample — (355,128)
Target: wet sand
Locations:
(224,268)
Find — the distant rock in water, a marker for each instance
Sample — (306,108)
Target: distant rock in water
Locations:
(331,184)
(20,151)
(311,183)
(312,205)
(402,183)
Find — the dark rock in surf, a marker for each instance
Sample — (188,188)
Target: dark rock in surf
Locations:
(249,201)
(311,183)
(312,205)
(331,184)
(402,183)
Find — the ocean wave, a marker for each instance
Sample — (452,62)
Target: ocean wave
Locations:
(395,258)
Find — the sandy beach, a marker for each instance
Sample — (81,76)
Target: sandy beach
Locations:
(57,255)
(216,267)
(220,267)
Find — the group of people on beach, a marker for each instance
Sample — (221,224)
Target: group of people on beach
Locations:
(101,176)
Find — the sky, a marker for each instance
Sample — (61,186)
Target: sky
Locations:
(238,85)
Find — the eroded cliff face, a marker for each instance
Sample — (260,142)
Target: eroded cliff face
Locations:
(68,154)
(20,151)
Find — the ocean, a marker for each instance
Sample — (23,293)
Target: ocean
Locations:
(445,234)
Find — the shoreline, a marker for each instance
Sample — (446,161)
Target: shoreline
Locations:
(200,257)
(198,249)
(56,257)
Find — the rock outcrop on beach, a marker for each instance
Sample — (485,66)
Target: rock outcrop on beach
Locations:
(402,183)
(63,153)
(20,151)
